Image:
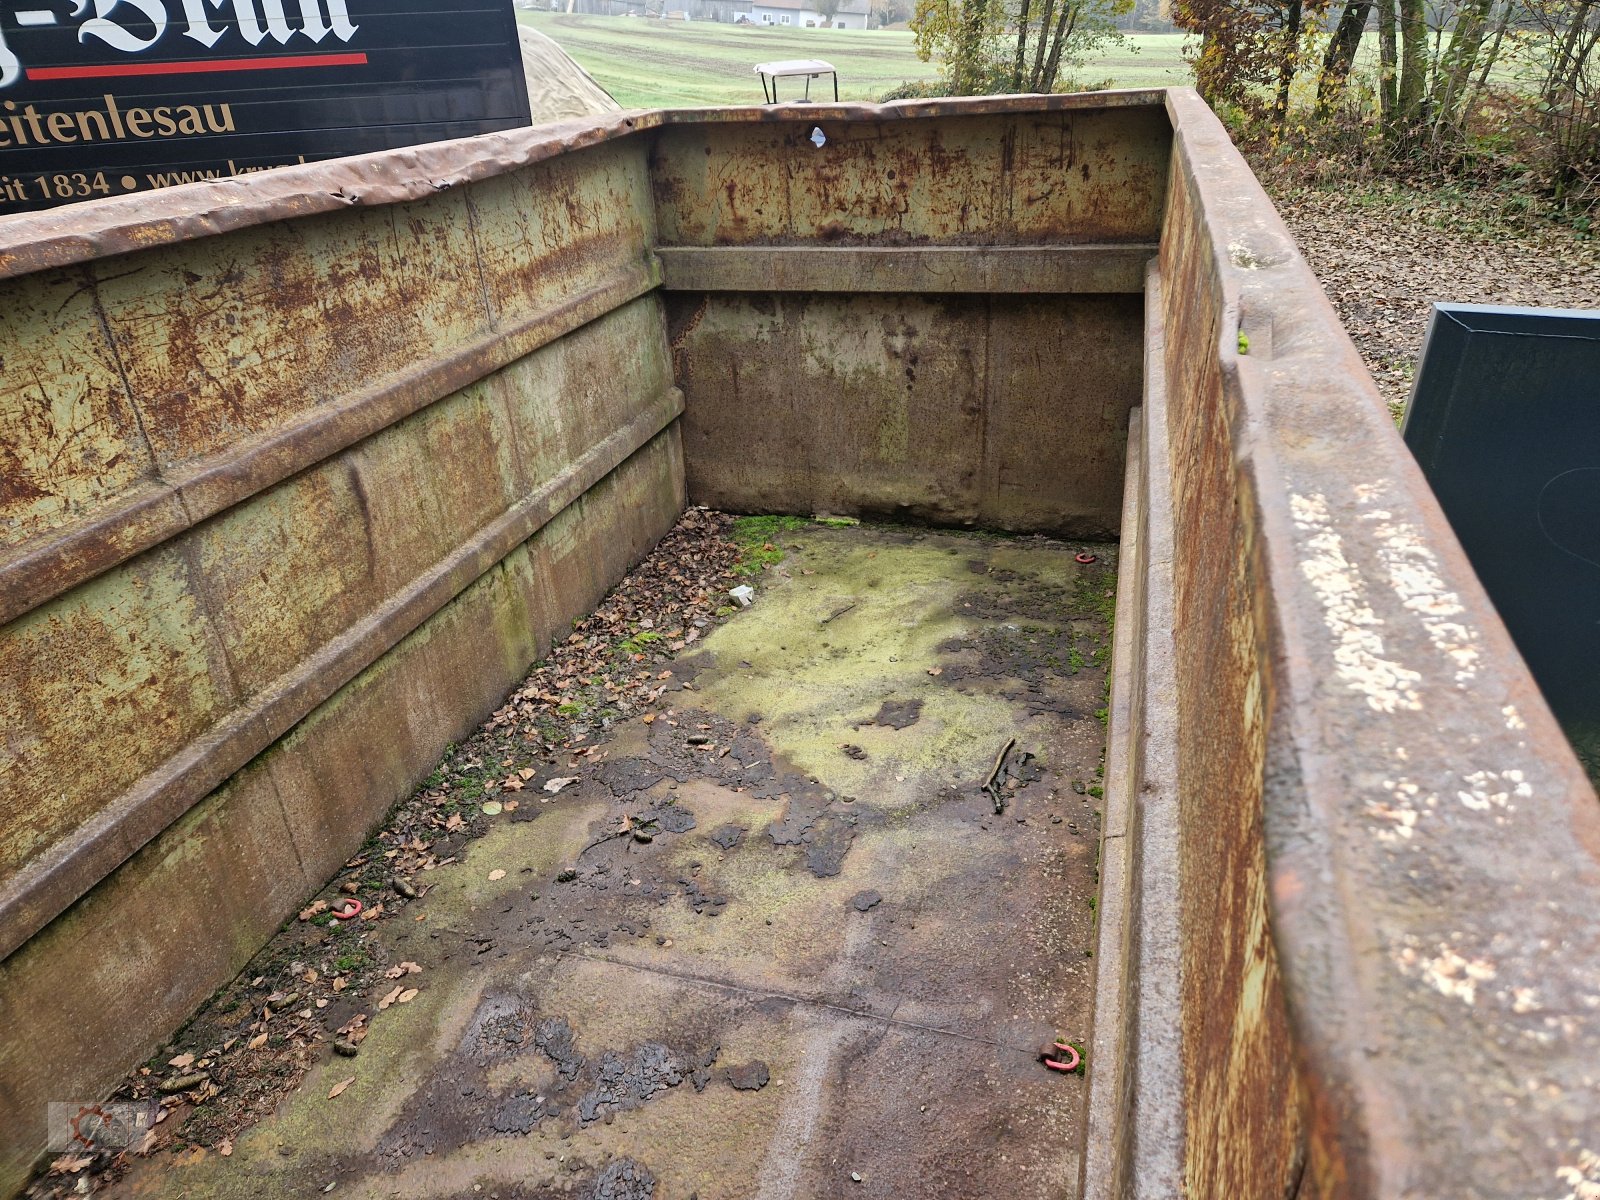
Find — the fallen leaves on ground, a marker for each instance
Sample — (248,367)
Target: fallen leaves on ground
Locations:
(1383,265)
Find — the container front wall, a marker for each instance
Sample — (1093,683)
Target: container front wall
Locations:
(946,325)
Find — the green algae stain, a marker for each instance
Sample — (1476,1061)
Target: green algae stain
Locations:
(862,619)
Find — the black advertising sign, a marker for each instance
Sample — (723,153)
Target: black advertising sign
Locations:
(109,97)
(1505,422)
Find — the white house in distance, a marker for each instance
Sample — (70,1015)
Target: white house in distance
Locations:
(802,14)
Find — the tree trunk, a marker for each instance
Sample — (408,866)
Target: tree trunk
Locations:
(1022,49)
(1489,60)
(1450,93)
(1067,22)
(1388,97)
(1288,58)
(1341,55)
(1556,80)
(1412,93)
(1039,50)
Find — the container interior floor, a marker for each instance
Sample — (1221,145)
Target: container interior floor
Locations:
(831,968)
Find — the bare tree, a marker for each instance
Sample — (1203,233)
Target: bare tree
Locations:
(1340,57)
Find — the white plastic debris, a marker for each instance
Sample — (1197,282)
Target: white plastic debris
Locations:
(744,593)
(818,138)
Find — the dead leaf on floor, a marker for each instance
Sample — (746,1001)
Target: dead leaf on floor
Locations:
(256,1042)
(225,1147)
(389,999)
(554,786)
(373,913)
(407,996)
(338,1089)
(403,968)
(312,909)
(182,1061)
(496,874)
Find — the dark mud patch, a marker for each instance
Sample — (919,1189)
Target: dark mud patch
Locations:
(809,821)
(1025,598)
(898,714)
(672,818)
(749,1077)
(457,1105)
(700,1075)
(867,900)
(628,1080)
(617,1179)
(701,901)
(624,1179)
(554,1037)
(827,842)
(727,836)
(627,776)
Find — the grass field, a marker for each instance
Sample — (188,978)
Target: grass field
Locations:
(652,64)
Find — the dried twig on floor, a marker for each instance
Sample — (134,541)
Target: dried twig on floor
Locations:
(992,784)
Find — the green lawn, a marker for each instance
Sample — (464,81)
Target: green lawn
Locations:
(654,64)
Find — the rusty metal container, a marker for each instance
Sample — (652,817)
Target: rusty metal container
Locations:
(298,473)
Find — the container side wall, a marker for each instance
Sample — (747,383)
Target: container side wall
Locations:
(1387,852)
(312,496)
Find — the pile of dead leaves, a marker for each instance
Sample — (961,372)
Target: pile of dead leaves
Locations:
(607,668)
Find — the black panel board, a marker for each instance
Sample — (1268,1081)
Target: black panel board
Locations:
(1504,419)
(107,97)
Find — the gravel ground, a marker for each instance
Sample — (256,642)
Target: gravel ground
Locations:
(1385,257)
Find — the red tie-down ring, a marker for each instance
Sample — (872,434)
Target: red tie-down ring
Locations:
(1071,1055)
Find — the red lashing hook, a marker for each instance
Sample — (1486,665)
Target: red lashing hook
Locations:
(1071,1055)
